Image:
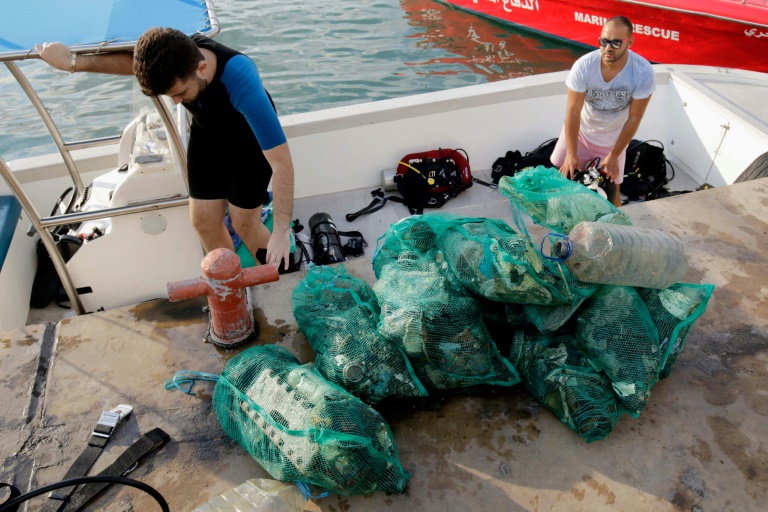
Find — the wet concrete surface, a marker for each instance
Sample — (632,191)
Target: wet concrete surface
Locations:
(701,444)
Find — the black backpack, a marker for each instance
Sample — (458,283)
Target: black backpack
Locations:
(514,161)
(645,172)
(47,286)
(428,179)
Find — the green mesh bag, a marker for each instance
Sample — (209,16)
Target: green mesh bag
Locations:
(493,261)
(547,319)
(557,374)
(673,311)
(487,258)
(503,317)
(555,202)
(427,312)
(338,314)
(300,427)
(616,332)
(434,376)
(552,318)
(406,239)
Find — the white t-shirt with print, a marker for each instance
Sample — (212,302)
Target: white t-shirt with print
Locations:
(606,104)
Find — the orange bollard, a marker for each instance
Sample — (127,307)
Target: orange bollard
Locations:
(229,297)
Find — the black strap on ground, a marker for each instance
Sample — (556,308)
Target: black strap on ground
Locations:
(14,493)
(415,207)
(99,438)
(356,244)
(125,463)
(378,202)
(485,183)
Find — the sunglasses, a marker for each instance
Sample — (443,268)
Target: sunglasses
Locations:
(615,43)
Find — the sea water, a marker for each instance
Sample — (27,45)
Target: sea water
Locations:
(311,55)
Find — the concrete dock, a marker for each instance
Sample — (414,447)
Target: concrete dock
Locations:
(700,445)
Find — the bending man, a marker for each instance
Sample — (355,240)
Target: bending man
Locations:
(236,144)
(608,92)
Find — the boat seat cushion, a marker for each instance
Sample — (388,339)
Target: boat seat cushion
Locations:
(10,208)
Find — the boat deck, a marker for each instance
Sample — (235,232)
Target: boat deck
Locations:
(476,201)
(700,444)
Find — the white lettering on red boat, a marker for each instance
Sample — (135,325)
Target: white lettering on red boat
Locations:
(507,5)
(663,33)
(751,32)
(590,18)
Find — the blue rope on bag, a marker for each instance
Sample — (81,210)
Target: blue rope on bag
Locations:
(555,258)
(188,377)
(304,488)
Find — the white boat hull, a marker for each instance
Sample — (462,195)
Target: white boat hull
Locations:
(712,123)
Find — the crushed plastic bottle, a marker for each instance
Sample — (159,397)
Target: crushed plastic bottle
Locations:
(258,495)
(598,252)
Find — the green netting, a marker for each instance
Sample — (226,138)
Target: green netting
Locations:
(552,318)
(487,258)
(546,319)
(493,261)
(434,376)
(635,334)
(426,311)
(616,332)
(406,239)
(504,317)
(300,427)
(558,375)
(673,311)
(338,314)
(554,201)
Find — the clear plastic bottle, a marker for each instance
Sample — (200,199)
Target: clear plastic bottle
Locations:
(258,495)
(598,252)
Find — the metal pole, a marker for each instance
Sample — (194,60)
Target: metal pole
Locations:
(174,137)
(92,143)
(45,236)
(74,218)
(54,131)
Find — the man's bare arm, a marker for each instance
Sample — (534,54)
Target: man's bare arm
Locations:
(278,247)
(58,56)
(572,126)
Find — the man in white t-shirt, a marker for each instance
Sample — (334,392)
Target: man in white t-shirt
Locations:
(608,92)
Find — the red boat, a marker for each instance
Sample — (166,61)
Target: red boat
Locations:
(474,46)
(723,33)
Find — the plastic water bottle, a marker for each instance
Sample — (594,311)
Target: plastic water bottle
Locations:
(598,252)
(258,495)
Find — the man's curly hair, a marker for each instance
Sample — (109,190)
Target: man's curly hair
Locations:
(162,56)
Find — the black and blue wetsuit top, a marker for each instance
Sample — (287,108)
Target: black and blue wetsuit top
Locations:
(234,108)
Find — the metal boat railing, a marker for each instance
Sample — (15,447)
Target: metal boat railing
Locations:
(44,225)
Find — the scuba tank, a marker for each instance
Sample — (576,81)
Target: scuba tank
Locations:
(326,243)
